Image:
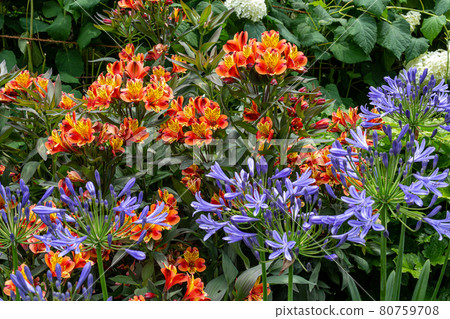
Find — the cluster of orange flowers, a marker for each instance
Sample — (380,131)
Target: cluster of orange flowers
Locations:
(125,81)
(73,134)
(189,263)
(192,178)
(271,56)
(24,82)
(193,123)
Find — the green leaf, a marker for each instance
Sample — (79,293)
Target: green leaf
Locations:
(376,7)
(121,279)
(364,32)
(395,37)
(9,57)
(38,26)
(69,62)
(432,26)
(2,21)
(390,284)
(314,276)
(229,270)
(254,29)
(412,264)
(286,34)
(82,5)
(61,27)
(41,149)
(246,280)
(353,289)
(67,78)
(362,263)
(51,9)
(435,251)
(28,171)
(442,6)
(422,284)
(348,52)
(283,280)
(217,288)
(308,36)
(87,33)
(237,249)
(416,48)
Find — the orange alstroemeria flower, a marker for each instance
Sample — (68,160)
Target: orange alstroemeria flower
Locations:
(271,63)
(187,116)
(175,67)
(171,277)
(171,131)
(265,131)
(200,134)
(137,298)
(131,131)
(136,70)
(81,259)
(227,68)
(296,60)
(67,101)
(127,53)
(160,74)
(67,265)
(134,91)
(252,114)
(158,95)
(57,143)
(41,85)
(347,119)
(195,291)
(9,285)
(156,52)
(176,106)
(99,96)
(114,81)
(130,4)
(116,68)
(36,246)
(191,261)
(212,116)
(82,132)
(237,44)
(116,144)
(271,40)
(22,81)
(256,294)
(297,125)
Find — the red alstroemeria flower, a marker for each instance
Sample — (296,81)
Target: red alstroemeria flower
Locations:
(177,68)
(194,291)
(227,68)
(171,277)
(191,261)
(200,134)
(321,124)
(127,53)
(130,4)
(67,265)
(265,131)
(81,133)
(271,40)
(136,70)
(256,294)
(134,91)
(296,60)
(171,131)
(252,114)
(271,63)
(297,125)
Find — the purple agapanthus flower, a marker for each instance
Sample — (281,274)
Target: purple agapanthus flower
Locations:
(441,226)
(413,192)
(203,206)
(211,226)
(235,235)
(281,246)
(421,154)
(256,201)
(359,139)
(434,181)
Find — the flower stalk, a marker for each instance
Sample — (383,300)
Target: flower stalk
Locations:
(441,276)
(101,273)
(291,283)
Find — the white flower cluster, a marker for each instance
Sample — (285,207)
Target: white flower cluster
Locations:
(413,18)
(434,61)
(254,10)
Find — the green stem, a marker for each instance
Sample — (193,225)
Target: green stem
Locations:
(398,271)
(101,273)
(290,283)
(262,257)
(441,276)
(383,257)
(15,261)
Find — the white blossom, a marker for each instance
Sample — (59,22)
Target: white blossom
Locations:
(413,18)
(435,61)
(254,10)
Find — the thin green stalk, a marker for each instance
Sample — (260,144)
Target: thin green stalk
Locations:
(290,283)
(262,257)
(441,276)
(383,257)
(398,270)
(101,273)
(15,261)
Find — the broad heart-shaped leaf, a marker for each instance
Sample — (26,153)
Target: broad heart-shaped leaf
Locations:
(373,6)
(348,52)
(217,288)
(9,57)
(364,32)
(254,29)
(87,33)
(51,9)
(416,48)
(69,62)
(432,26)
(422,283)
(61,27)
(442,6)
(38,26)
(395,36)
(28,171)
(435,251)
(82,4)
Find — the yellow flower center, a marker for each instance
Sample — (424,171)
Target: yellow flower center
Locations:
(134,87)
(271,41)
(229,61)
(271,58)
(293,52)
(212,114)
(247,50)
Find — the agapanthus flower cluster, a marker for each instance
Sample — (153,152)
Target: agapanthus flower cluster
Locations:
(77,136)
(409,99)
(18,221)
(194,123)
(275,213)
(55,288)
(103,223)
(392,182)
(271,57)
(436,62)
(253,10)
(129,80)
